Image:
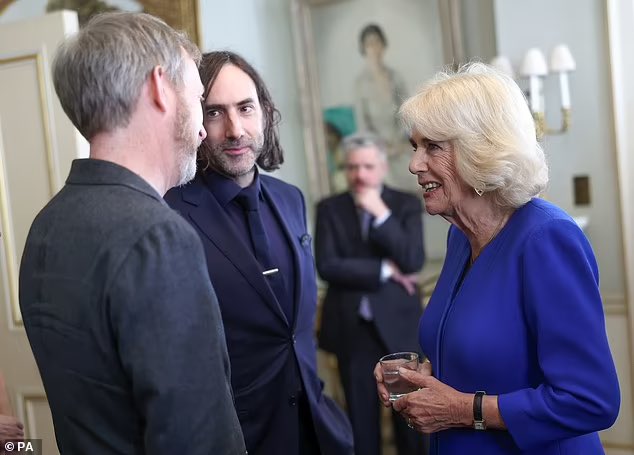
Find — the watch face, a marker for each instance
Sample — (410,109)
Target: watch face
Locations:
(479,425)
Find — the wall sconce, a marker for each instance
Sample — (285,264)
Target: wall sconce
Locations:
(534,68)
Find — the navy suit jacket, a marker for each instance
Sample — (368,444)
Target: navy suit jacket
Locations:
(352,268)
(271,357)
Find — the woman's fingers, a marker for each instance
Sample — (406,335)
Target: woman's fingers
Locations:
(380,386)
(421,379)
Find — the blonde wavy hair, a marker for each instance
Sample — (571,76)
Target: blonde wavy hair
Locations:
(484,115)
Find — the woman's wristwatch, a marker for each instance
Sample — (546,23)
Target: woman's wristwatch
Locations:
(478,419)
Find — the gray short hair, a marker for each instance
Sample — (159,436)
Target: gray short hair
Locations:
(99,72)
(484,115)
(364,139)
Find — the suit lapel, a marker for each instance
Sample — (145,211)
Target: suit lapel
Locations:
(212,220)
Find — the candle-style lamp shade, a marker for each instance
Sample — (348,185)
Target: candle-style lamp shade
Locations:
(561,59)
(534,67)
(534,63)
(561,62)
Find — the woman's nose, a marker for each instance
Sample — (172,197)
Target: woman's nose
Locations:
(418,162)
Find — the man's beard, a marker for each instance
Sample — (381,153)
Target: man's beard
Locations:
(187,144)
(214,155)
(187,169)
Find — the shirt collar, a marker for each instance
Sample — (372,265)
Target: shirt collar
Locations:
(225,189)
(92,171)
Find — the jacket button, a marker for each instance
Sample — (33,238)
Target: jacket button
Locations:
(294,338)
(292,400)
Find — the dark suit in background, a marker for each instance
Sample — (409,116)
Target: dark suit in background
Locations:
(351,265)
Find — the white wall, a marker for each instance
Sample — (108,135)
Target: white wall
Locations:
(589,147)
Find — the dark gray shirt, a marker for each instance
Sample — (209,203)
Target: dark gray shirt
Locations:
(124,323)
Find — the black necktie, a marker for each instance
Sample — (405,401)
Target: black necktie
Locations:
(248,199)
(365,218)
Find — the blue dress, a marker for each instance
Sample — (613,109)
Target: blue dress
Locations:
(526,323)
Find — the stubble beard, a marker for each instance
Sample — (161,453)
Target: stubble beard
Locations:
(187,169)
(231,166)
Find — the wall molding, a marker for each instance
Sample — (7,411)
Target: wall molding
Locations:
(617,446)
(26,402)
(35,61)
(620,29)
(614,304)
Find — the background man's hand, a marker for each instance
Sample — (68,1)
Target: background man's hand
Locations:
(407,281)
(369,199)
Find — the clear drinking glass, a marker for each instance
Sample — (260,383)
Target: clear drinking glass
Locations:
(394,383)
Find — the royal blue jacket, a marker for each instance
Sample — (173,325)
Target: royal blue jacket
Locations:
(526,324)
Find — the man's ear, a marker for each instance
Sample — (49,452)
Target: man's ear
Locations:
(159,84)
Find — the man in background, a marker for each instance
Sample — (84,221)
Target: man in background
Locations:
(369,249)
(117,304)
(258,250)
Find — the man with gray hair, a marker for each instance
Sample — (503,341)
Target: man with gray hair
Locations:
(114,292)
(369,248)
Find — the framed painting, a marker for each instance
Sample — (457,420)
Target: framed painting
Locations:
(180,14)
(357,60)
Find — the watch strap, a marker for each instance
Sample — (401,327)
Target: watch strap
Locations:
(478,419)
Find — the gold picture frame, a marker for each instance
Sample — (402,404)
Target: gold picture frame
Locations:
(179,14)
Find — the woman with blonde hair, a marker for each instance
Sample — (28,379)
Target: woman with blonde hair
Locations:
(518,357)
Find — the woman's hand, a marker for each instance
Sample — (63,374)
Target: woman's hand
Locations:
(424,369)
(434,407)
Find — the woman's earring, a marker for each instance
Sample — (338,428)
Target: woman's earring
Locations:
(478,191)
